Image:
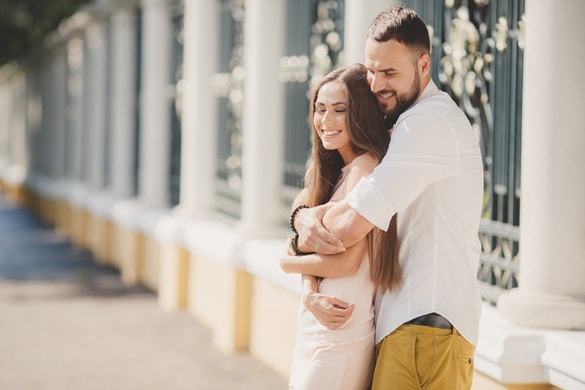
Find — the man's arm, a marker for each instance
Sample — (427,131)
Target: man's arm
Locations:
(330,228)
(346,224)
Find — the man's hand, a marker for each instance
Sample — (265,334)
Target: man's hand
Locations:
(329,311)
(313,236)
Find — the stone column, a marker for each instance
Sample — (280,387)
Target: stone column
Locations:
(199,131)
(21,145)
(17,157)
(263,117)
(357,20)
(95,107)
(123,100)
(155,109)
(75,112)
(59,95)
(5,105)
(43,137)
(551,290)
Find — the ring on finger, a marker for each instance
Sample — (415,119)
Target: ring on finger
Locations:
(331,324)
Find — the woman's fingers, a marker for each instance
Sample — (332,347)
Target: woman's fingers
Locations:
(338,316)
(329,311)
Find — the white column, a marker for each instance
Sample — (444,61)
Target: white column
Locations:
(95,109)
(199,131)
(43,138)
(263,120)
(123,101)
(59,95)
(5,108)
(75,111)
(154,113)
(33,102)
(551,289)
(17,153)
(20,146)
(357,20)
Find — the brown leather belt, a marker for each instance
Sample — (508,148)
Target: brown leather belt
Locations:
(432,319)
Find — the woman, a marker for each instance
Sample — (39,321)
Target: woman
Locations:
(348,140)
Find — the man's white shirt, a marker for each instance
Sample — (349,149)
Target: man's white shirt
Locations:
(432,176)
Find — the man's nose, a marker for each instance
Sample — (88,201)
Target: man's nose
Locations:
(375,83)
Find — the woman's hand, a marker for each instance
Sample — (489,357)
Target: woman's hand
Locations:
(329,311)
(313,236)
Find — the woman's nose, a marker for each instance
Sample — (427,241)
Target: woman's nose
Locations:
(325,118)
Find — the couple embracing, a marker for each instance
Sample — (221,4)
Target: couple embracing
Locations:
(386,228)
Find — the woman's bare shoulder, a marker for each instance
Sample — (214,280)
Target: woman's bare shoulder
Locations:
(365,162)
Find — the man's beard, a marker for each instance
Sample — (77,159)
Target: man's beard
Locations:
(403,102)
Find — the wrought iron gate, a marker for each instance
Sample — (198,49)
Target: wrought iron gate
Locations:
(477,54)
(177,12)
(314,47)
(478,58)
(229,88)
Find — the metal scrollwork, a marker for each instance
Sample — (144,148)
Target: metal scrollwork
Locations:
(326,39)
(476,68)
(314,48)
(462,60)
(501,35)
(177,8)
(231,86)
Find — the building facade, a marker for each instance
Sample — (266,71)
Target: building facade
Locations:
(170,137)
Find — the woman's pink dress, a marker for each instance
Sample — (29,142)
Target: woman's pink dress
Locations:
(340,358)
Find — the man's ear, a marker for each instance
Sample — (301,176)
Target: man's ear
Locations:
(424,64)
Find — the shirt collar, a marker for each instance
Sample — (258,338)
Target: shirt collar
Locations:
(429,90)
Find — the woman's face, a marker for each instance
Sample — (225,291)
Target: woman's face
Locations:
(330,119)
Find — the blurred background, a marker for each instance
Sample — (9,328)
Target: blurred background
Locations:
(168,138)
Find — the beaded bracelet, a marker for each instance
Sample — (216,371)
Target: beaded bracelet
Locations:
(292,244)
(293,215)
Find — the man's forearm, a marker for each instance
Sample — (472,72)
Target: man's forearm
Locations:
(346,224)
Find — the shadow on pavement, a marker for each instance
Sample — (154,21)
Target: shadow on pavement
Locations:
(31,251)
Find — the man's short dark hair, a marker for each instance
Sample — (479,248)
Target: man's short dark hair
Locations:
(403,25)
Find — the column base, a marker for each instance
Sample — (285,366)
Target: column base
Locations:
(542,311)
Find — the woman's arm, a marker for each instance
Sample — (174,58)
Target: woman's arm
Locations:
(313,228)
(327,266)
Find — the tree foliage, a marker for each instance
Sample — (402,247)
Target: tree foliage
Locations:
(23,23)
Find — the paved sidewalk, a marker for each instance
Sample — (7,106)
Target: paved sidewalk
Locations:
(69,323)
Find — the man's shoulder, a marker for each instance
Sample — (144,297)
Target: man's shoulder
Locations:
(437,101)
(437,108)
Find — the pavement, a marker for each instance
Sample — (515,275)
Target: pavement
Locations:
(67,322)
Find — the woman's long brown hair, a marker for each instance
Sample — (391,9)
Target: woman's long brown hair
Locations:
(367,133)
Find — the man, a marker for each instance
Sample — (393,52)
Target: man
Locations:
(432,177)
